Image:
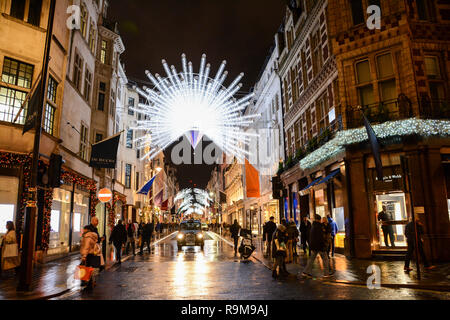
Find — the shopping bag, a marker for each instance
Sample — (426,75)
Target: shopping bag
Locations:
(11,250)
(83,273)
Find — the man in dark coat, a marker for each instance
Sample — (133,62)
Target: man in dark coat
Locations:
(305,229)
(147,232)
(318,245)
(411,240)
(234,230)
(118,237)
(269,229)
(388,229)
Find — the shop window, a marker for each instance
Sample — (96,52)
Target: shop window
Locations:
(17,73)
(357,11)
(6,214)
(395,206)
(77,222)
(54,221)
(17,9)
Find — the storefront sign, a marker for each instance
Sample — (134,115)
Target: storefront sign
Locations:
(105,195)
(419,210)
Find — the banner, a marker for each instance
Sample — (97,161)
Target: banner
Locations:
(33,109)
(252,181)
(159,199)
(104,153)
(375,148)
(165,205)
(147,187)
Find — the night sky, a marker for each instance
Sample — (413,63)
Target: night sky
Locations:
(239,31)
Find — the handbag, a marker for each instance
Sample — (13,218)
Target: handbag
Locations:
(93,261)
(83,273)
(11,250)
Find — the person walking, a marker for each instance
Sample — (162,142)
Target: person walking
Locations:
(90,253)
(234,230)
(334,231)
(131,238)
(327,230)
(292,232)
(270,228)
(279,253)
(93,226)
(146,237)
(318,247)
(118,237)
(9,256)
(411,240)
(305,230)
(388,229)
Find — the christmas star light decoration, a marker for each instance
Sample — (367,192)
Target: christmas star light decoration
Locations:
(196,199)
(193,105)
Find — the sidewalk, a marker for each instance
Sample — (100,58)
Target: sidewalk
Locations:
(52,279)
(354,271)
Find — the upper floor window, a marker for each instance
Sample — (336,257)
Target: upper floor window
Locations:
(17,9)
(128,176)
(92,38)
(357,11)
(98,137)
(10,103)
(87,85)
(34,12)
(84,138)
(130,139)
(435,81)
(104,52)
(101,96)
(425,9)
(83,21)
(131,105)
(365,87)
(17,73)
(77,71)
(386,77)
(50,106)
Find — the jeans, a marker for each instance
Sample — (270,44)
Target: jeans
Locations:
(388,231)
(411,250)
(326,262)
(332,246)
(130,241)
(145,240)
(236,240)
(118,252)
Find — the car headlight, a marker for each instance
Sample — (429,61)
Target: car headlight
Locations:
(180,236)
(199,235)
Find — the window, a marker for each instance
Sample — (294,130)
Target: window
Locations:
(77,69)
(83,20)
(112,106)
(104,51)
(92,38)
(130,105)
(101,96)
(138,153)
(10,103)
(357,12)
(50,107)
(363,72)
(432,67)
(87,85)
(435,82)
(98,137)
(34,12)
(128,176)
(17,9)
(365,95)
(84,134)
(386,75)
(137,181)
(17,73)
(130,139)
(425,9)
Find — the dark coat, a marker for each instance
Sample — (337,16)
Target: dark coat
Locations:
(270,228)
(147,231)
(118,235)
(292,231)
(410,232)
(317,238)
(234,230)
(305,229)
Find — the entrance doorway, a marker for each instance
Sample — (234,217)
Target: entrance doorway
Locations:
(395,205)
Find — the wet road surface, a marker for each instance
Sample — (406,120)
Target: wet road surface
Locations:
(214,274)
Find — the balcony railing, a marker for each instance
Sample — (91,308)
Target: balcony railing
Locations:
(397,109)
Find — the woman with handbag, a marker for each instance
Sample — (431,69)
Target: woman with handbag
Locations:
(10,250)
(90,254)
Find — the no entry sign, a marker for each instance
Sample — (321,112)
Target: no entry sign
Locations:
(105,195)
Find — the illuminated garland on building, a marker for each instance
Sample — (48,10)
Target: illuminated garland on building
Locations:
(48,200)
(109,207)
(91,185)
(424,128)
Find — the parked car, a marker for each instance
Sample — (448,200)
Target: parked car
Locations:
(190,234)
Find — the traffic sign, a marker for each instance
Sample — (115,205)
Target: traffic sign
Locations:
(105,195)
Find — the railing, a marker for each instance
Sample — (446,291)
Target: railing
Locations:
(397,109)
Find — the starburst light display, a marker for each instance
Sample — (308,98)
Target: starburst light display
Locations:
(193,105)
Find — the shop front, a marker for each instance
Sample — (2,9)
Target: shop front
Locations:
(9,187)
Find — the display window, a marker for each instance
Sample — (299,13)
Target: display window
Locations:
(59,219)
(320,202)
(391,225)
(8,200)
(80,217)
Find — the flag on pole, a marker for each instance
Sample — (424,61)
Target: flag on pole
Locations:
(33,109)
(252,181)
(147,187)
(104,153)
(375,148)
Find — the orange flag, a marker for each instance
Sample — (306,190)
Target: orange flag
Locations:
(252,181)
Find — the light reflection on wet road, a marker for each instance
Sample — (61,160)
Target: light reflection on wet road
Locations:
(215,274)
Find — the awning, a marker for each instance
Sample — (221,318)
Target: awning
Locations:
(325,180)
(304,191)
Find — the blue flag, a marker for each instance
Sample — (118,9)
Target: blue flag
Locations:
(146,188)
